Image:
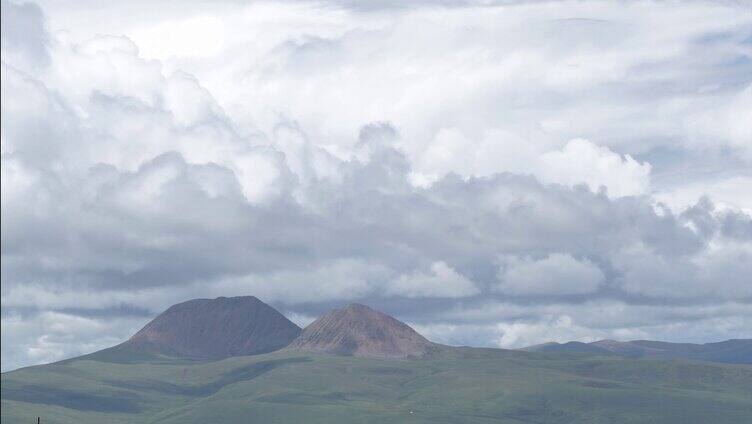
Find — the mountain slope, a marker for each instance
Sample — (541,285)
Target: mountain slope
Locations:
(212,329)
(454,386)
(738,351)
(360,331)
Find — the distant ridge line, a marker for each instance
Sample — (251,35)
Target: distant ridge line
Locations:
(733,351)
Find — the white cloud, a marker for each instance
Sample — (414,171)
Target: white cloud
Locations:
(312,155)
(259,175)
(441,281)
(195,36)
(728,119)
(556,274)
(580,161)
(732,193)
(24,38)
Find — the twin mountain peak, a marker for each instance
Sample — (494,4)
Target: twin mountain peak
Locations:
(211,329)
(224,327)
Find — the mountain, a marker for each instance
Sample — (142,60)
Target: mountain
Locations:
(199,362)
(738,351)
(212,329)
(360,331)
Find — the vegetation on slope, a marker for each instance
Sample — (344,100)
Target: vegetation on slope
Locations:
(456,386)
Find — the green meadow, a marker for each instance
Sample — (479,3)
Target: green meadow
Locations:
(456,386)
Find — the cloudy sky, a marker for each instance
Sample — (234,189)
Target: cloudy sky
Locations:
(495,173)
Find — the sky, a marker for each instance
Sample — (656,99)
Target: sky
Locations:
(494,173)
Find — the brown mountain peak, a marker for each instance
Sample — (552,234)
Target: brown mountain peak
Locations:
(360,331)
(215,329)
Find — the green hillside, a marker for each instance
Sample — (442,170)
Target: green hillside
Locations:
(456,386)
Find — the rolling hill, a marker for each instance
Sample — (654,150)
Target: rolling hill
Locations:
(738,351)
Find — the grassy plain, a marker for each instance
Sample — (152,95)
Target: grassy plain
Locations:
(455,386)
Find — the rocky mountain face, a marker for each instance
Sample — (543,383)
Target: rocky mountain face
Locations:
(360,331)
(215,329)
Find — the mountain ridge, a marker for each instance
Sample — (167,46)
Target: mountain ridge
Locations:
(733,351)
(245,325)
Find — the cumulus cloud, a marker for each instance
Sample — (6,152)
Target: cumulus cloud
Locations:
(556,274)
(332,154)
(441,281)
(580,161)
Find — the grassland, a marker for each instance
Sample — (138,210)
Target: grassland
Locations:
(458,386)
